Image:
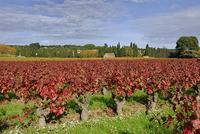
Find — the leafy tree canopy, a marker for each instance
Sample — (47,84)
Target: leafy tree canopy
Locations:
(89,46)
(187,43)
(35,45)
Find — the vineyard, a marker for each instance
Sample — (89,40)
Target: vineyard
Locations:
(51,85)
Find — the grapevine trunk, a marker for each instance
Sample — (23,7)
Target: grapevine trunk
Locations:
(152,102)
(119,106)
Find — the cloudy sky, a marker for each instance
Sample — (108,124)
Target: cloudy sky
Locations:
(156,22)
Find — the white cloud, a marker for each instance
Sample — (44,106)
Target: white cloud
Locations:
(167,28)
(94,20)
(71,19)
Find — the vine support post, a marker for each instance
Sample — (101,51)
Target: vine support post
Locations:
(152,102)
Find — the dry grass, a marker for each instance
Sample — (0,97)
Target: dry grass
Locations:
(70,59)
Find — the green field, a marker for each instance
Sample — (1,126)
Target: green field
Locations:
(102,119)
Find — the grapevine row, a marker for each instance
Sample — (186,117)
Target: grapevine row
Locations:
(59,82)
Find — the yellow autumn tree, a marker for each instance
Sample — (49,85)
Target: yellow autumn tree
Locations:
(89,53)
(5,49)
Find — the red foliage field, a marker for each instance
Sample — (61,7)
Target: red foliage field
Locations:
(61,81)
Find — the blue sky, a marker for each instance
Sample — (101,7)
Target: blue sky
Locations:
(156,22)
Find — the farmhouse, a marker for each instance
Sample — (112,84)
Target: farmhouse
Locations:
(146,57)
(109,55)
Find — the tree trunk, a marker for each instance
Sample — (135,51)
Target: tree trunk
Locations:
(42,121)
(198,89)
(84,108)
(84,113)
(119,106)
(42,113)
(198,100)
(152,102)
(105,91)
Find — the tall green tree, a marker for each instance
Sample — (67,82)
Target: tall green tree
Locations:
(135,50)
(187,43)
(34,48)
(118,49)
(105,45)
(147,50)
(131,44)
(186,46)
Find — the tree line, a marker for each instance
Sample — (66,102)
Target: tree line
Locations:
(89,50)
(187,47)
